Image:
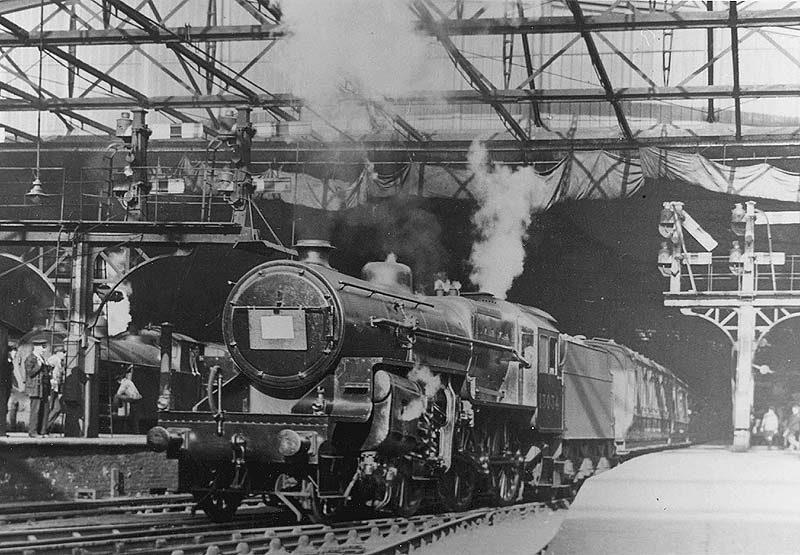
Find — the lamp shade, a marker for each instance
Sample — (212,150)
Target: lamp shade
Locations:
(36,194)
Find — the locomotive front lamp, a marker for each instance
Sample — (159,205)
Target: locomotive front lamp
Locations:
(291,443)
(665,259)
(738,219)
(736,259)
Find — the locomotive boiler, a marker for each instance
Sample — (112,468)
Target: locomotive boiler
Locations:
(360,393)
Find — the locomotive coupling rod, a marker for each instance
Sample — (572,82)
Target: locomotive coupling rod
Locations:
(449,337)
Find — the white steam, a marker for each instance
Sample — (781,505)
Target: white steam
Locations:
(413,410)
(423,375)
(507,201)
(118,313)
(431,385)
(369,45)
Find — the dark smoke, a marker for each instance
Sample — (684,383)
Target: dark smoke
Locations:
(398,225)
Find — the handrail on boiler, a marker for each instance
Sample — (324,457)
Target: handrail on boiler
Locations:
(452,338)
(417,302)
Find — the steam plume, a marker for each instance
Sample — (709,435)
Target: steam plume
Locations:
(507,202)
(118,312)
(423,375)
(370,44)
(431,384)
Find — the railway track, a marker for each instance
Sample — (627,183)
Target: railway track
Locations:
(27,512)
(191,537)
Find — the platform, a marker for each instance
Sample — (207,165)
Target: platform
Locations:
(62,468)
(692,501)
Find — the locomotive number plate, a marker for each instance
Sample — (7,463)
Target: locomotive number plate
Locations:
(284,331)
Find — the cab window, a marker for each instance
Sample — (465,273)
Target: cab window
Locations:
(548,354)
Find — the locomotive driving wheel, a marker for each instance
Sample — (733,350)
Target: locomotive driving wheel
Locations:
(506,474)
(456,487)
(506,479)
(217,500)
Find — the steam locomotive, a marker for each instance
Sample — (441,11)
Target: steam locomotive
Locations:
(360,393)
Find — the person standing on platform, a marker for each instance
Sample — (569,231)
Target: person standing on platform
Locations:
(57,363)
(37,385)
(128,397)
(769,427)
(17,400)
(6,385)
(72,398)
(793,428)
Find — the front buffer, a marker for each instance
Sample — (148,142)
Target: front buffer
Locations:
(223,460)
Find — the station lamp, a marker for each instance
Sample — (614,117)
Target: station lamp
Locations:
(36,194)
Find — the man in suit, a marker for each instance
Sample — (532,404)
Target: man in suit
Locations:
(6,385)
(37,385)
(72,396)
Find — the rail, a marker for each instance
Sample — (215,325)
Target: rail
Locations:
(413,539)
(188,536)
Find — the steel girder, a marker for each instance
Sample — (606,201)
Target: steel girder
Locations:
(441,26)
(511,96)
(600,68)
(777,17)
(99,37)
(451,27)
(476,79)
(180,47)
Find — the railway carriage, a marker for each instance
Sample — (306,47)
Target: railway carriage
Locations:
(359,393)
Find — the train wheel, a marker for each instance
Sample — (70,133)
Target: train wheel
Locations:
(406,496)
(507,480)
(218,504)
(219,507)
(457,486)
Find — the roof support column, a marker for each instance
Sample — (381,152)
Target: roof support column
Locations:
(710,117)
(737,101)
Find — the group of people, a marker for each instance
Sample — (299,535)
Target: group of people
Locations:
(772,428)
(41,377)
(39,383)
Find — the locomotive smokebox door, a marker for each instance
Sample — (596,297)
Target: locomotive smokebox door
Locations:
(279,329)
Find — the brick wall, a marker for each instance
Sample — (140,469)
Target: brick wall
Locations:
(40,473)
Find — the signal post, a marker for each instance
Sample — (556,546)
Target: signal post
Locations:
(744,313)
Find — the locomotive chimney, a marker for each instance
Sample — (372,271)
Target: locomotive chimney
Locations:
(314,251)
(388,273)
